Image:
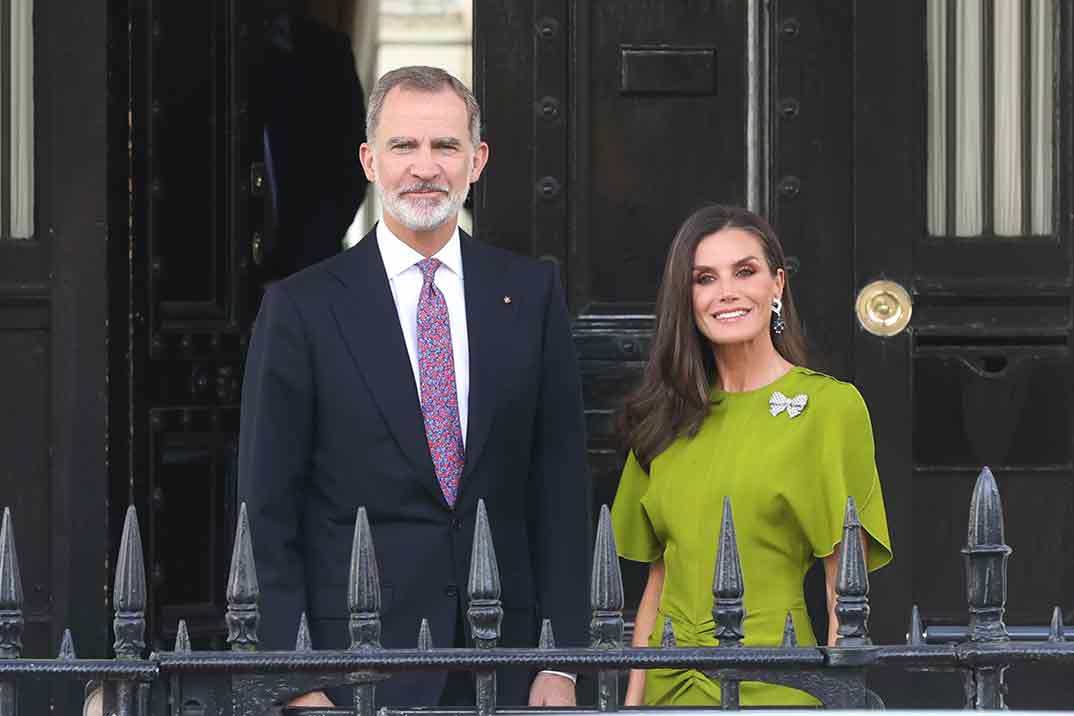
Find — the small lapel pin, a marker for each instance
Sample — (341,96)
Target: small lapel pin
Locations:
(506,299)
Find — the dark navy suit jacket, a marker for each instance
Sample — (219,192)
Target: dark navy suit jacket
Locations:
(331,421)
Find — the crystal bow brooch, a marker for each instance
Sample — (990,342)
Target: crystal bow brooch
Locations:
(794,406)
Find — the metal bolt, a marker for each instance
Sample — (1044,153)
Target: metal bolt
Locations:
(549,108)
(547,28)
(790,27)
(790,187)
(789,108)
(548,187)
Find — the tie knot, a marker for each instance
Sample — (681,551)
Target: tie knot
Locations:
(428,268)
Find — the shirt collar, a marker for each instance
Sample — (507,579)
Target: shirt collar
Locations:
(398,256)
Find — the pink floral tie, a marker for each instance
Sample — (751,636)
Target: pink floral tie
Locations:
(439,397)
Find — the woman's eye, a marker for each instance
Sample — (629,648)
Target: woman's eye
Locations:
(705,278)
(746,272)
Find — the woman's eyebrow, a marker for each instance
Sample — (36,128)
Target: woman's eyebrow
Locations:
(744,260)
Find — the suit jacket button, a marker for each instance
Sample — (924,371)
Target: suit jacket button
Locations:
(456,524)
(451,590)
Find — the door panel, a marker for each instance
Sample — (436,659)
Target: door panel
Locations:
(659,127)
(191,304)
(982,375)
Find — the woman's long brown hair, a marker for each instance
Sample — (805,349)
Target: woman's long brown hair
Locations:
(673,398)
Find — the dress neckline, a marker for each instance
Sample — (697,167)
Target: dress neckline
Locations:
(719,394)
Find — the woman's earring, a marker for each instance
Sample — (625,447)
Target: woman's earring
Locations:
(777,318)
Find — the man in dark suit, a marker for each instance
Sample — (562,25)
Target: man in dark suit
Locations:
(414,374)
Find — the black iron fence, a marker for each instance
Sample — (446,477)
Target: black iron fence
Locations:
(245,682)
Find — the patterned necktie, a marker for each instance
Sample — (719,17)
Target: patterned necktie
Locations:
(439,397)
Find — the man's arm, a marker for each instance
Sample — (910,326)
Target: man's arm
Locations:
(560,479)
(275,441)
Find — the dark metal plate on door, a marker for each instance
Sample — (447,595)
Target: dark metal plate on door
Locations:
(667,70)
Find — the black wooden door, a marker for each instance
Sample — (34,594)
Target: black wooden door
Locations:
(609,121)
(192,296)
(983,375)
(639,112)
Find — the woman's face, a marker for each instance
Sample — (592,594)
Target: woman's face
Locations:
(733,287)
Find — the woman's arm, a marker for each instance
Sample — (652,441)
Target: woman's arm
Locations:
(831,576)
(643,627)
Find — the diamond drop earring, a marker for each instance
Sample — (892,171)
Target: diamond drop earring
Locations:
(777,318)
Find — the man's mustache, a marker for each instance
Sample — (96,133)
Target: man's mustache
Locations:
(424,187)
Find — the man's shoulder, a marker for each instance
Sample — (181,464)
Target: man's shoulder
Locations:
(320,280)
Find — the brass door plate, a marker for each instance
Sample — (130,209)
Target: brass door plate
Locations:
(884,308)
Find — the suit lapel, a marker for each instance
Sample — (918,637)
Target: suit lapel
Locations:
(485,327)
(369,322)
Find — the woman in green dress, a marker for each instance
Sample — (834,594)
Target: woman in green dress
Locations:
(727,408)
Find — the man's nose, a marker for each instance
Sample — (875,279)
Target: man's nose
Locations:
(424,166)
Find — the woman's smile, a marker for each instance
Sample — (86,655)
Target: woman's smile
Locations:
(732,314)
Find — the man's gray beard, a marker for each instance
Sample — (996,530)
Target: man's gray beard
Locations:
(422,217)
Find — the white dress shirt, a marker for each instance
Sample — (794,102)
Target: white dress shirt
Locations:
(405,279)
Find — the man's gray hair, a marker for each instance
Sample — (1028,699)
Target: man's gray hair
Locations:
(421,79)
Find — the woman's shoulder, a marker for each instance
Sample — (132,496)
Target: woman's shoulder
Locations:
(827,392)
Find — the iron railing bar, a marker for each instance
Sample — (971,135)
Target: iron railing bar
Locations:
(1027,117)
(477,659)
(988,115)
(87,669)
(950,114)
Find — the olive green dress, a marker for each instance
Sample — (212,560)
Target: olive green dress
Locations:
(788,479)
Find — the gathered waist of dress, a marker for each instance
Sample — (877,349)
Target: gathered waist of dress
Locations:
(762,627)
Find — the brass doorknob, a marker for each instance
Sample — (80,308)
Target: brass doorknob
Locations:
(884,308)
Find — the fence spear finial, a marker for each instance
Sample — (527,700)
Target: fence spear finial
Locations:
(985,556)
(916,635)
(11,597)
(852,585)
(547,640)
(129,594)
(67,647)
(425,636)
(606,600)
(1057,632)
(728,586)
(667,639)
(182,638)
(790,636)
(485,612)
(363,591)
(606,584)
(243,614)
(303,642)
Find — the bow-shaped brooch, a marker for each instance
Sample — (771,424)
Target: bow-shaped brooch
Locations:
(794,406)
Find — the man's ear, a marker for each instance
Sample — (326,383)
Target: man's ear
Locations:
(481,158)
(365,155)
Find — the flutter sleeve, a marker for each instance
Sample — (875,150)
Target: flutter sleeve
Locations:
(635,538)
(846,467)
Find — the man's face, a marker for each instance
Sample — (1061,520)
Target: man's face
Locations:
(422,159)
